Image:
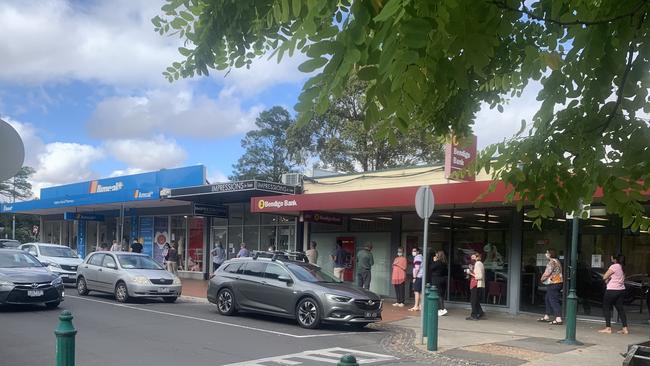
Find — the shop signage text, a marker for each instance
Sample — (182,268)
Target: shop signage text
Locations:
(275,187)
(138,194)
(244,185)
(262,203)
(322,218)
(82,216)
(233,186)
(459,154)
(95,187)
(210,210)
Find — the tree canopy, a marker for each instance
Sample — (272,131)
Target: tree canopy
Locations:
(433,64)
(17,188)
(267,155)
(339,141)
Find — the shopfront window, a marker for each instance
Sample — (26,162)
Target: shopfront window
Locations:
(178,232)
(195,250)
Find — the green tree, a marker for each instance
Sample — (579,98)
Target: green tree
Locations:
(17,188)
(267,154)
(340,141)
(433,64)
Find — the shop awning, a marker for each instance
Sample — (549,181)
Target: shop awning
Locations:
(231,192)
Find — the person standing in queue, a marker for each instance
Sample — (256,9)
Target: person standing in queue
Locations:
(338,259)
(614,294)
(136,247)
(476,286)
(552,278)
(439,279)
(365,261)
(398,277)
(418,273)
(172,258)
(116,247)
(243,252)
(312,253)
(218,256)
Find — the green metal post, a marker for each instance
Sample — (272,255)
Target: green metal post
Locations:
(432,339)
(572,298)
(425,309)
(348,360)
(65,338)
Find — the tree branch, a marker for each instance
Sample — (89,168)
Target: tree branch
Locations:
(524,10)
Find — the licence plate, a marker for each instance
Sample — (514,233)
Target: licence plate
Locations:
(163,290)
(34,293)
(370,314)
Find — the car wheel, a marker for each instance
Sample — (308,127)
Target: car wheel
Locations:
(169,300)
(52,305)
(82,286)
(308,313)
(226,302)
(121,293)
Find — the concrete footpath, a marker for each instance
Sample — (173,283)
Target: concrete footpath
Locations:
(503,339)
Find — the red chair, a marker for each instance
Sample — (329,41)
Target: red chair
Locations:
(495,290)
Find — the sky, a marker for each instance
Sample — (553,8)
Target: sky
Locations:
(81,82)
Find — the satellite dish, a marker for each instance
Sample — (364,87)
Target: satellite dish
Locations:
(12,151)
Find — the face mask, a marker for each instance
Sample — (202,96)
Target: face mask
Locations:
(548,256)
(414,253)
(399,253)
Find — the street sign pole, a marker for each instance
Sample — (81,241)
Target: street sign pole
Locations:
(572,298)
(424,204)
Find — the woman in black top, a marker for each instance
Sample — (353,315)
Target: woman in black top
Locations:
(439,279)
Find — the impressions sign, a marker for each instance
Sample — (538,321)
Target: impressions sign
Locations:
(459,154)
(231,187)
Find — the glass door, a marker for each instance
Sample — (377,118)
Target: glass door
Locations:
(219,237)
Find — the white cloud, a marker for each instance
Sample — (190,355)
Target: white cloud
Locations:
(111,42)
(491,126)
(263,74)
(217,176)
(34,146)
(127,171)
(63,162)
(147,154)
(179,113)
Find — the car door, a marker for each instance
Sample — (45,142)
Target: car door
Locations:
(277,296)
(90,271)
(108,274)
(250,283)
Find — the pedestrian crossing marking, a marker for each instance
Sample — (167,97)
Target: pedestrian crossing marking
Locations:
(326,355)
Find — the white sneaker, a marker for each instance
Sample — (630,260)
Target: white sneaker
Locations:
(395,304)
(401,305)
(442,312)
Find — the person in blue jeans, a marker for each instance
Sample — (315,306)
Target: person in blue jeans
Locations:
(553,280)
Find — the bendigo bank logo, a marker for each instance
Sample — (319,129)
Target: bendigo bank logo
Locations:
(262,204)
(95,187)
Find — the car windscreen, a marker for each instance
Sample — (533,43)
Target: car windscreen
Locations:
(18,260)
(61,252)
(311,273)
(137,262)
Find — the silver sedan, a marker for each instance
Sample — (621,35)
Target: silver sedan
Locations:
(126,275)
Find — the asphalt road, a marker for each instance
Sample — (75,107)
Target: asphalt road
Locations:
(150,332)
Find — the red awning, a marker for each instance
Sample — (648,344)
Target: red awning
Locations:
(388,198)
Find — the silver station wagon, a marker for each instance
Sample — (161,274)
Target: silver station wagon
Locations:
(126,275)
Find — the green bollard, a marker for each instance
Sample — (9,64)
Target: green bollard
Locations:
(425,309)
(65,333)
(348,360)
(432,324)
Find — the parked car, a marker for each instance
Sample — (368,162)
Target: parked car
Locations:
(290,288)
(59,259)
(9,243)
(127,275)
(635,286)
(25,280)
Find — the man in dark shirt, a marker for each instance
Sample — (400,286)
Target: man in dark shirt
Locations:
(339,257)
(136,247)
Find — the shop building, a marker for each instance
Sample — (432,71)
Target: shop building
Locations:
(378,208)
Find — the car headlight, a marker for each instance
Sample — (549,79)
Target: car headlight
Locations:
(57,281)
(6,285)
(177,281)
(140,280)
(338,298)
(55,265)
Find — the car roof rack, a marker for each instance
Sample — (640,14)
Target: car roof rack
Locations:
(278,254)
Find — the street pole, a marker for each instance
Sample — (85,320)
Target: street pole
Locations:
(572,298)
(13,219)
(424,273)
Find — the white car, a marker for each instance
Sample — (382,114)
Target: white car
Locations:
(60,259)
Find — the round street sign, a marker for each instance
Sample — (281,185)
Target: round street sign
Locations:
(12,151)
(424,202)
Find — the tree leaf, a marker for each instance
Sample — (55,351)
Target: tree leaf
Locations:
(312,64)
(391,7)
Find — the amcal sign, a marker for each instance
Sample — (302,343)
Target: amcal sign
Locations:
(262,203)
(138,194)
(459,154)
(95,187)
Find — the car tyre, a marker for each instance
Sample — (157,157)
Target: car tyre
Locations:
(82,286)
(226,302)
(308,313)
(169,300)
(121,293)
(52,305)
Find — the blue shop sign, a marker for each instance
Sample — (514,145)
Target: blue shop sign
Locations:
(82,216)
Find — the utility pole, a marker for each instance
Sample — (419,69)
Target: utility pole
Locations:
(13,219)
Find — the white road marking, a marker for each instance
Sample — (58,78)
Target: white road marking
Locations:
(326,355)
(215,321)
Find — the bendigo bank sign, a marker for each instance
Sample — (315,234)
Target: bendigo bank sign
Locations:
(459,154)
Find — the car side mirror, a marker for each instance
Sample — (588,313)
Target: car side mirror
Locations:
(285,279)
(44,263)
(111,265)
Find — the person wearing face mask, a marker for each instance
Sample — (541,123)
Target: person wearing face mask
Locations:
(418,273)
(615,280)
(552,278)
(476,286)
(398,277)
(439,279)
